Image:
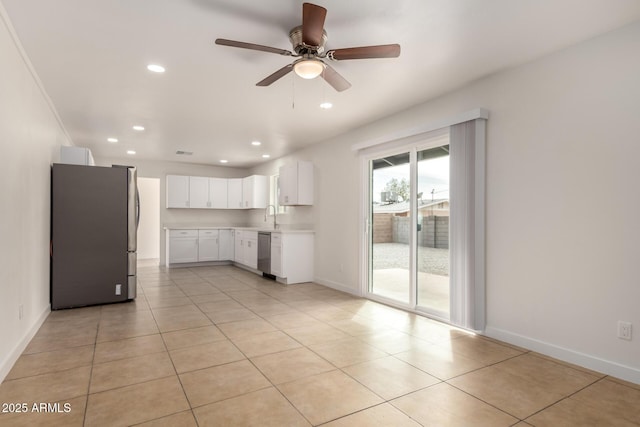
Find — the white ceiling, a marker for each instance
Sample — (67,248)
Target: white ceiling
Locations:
(91,56)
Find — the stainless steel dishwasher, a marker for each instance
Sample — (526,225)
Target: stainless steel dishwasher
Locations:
(264,252)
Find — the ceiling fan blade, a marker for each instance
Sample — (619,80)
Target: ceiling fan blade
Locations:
(332,77)
(365,52)
(312,24)
(275,76)
(251,46)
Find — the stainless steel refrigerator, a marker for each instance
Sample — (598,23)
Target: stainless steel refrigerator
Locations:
(94,220)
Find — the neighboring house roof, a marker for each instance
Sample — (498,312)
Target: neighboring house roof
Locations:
(402,207)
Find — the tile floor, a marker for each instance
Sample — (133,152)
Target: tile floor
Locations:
(223,347)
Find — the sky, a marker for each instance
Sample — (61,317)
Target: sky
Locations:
(433,174)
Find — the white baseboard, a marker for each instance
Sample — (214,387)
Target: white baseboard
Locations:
(607,367)
(337,286)
(13,356)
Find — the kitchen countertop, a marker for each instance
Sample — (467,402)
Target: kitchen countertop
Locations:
(220,227)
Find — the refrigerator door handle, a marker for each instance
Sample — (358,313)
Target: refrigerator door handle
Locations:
(133,211)
(137,209)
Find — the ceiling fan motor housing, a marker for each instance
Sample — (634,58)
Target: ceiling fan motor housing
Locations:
(300,48)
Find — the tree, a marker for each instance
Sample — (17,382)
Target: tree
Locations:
(401,188)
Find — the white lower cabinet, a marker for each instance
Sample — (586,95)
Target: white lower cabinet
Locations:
(208,245)
(188,246)
(276,254)
(291,252)
(292,257)
(246,248)
(183,246)
(225,244)
(250,239)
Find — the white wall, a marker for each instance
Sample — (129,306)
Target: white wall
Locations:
(148,236)
(30,137)
(188,217)
(562,140)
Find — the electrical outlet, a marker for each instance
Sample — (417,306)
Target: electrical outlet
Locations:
(118,289)
(624,330)
(20,312)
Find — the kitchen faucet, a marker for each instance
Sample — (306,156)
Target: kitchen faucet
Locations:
(275,211)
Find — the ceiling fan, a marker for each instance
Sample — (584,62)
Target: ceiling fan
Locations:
(308,42)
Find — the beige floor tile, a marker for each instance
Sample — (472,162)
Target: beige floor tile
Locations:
(265,408)
(357,326)
(214,306)
(444,405)
(182,317)
(52,387)
(204,356)
(523,385)
(325,397)
(203,288)
(480,349)
(246,328)
(113,350)
(291,365)
(389,377)
(439,361)
(432,331)
(169,302)
(222,382)
(271,309)
(329,313)
(269,342)
(379,416)
(119,373)
(233,315)
(51,361)
(164,292)
(393,342)
(64,413)
(316,334)
(191,337)
(347,352)
(125,330)
(199,299)
(605,403)
(136,403)
(181,419)
(63,339)
(291,320)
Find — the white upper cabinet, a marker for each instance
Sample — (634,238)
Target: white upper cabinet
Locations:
(218,193)
(234,194)
(199,192)
(177,191)
(296,184)
(255,192)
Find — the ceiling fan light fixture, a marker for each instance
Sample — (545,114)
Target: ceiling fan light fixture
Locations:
(308,68)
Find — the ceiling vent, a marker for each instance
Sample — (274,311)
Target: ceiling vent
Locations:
(184,153)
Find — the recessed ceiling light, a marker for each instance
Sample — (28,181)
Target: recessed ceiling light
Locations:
(131,152)
(265,156)
(112,139)
(256,143)
(326,105)
(155,68)
(224,161)
(138,128)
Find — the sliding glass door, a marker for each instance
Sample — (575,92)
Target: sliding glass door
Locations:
(409,227)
